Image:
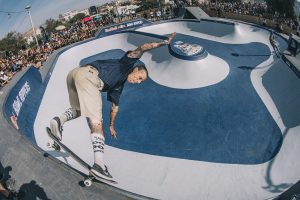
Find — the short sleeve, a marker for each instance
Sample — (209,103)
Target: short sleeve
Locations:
(114,94)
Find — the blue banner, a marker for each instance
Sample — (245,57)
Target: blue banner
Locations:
(23,102)
(112,29)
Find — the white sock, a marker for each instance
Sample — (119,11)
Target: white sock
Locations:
(98,142)
(68,115)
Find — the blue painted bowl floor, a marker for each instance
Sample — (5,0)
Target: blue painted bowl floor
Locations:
(224,123)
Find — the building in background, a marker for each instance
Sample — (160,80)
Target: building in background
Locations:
(70,14)
(103,10)
(125,10)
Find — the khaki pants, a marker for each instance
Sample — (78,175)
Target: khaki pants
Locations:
(84,88)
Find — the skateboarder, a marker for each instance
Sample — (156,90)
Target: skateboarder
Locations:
(85,85)
(274,43)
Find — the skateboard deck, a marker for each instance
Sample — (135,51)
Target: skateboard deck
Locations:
(57,145)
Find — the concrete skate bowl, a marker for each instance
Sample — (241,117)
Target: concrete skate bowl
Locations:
(218,117)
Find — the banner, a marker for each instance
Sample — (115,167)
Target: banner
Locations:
(109,30)
(23,101)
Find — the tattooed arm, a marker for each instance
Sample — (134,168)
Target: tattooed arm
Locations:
(137,53)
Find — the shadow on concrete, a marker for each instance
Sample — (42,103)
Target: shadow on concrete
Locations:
(271,187)
(291,194)
(27,191)
(4,173)
(211,28)
(283,86)
(32,191)
(7,183)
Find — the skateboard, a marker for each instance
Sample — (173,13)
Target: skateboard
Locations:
(57,146)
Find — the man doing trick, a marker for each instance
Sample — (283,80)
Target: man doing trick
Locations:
(85,85)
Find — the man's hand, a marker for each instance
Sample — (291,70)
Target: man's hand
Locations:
(113,132)
(171,37)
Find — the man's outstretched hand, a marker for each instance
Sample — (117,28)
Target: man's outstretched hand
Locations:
(113,132)
(171,37)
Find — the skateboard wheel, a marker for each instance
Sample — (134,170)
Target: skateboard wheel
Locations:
(56,146)
(87,182)
(49,145)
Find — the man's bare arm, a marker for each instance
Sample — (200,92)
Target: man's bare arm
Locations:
(137,53)
(113,114)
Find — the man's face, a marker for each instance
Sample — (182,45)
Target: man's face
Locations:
(137,76)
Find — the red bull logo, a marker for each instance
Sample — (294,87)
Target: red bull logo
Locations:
(188,49)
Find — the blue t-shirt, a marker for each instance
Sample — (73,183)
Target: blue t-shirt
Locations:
(114,73)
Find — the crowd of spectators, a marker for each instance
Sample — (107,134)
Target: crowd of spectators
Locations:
(77,32)
(11,63)
(260,10)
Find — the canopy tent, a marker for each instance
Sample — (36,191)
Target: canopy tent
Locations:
(60,27)
(97,16)
(86,19)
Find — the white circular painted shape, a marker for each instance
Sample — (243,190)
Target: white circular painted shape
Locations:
(182,74)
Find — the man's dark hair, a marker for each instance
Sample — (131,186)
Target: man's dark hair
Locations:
(142,67)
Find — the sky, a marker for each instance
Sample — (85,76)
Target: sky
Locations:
(41,10)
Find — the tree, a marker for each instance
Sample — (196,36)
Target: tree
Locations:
(51,24)
(285,8)
(13,42)
(195,2)
(77,17)
(147,4)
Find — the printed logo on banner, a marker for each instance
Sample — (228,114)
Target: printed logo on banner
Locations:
(18,102)
(188,49)
(111,29)
(123,26)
